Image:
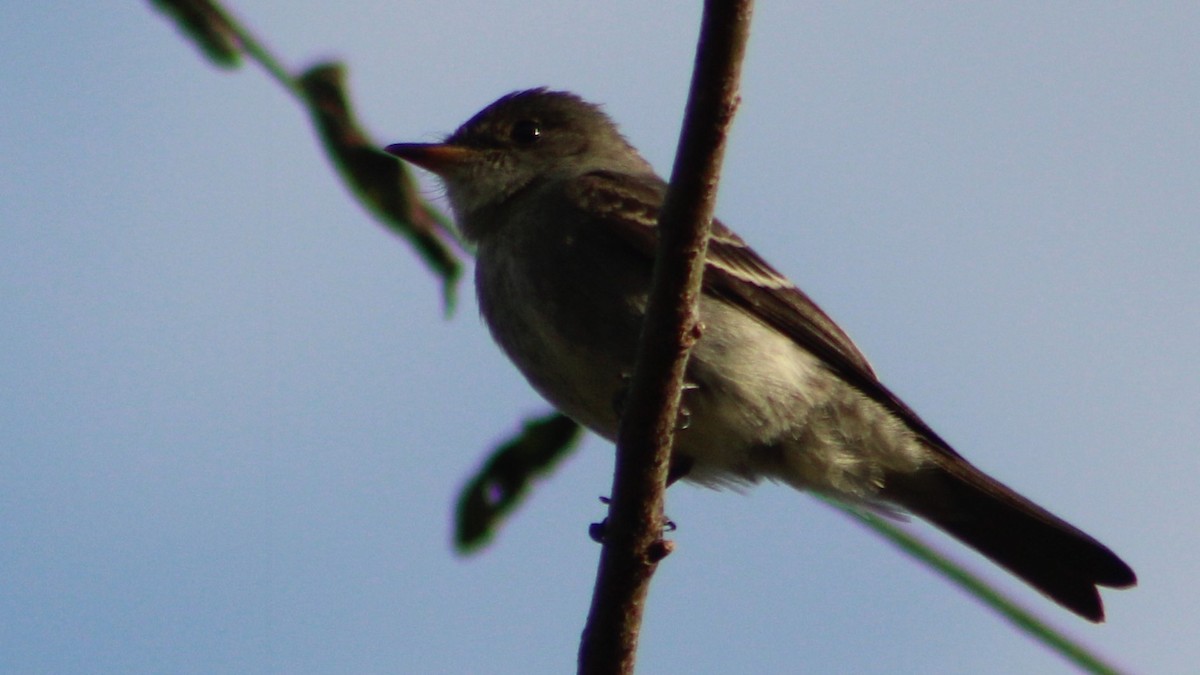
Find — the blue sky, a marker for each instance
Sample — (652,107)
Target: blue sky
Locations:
(233,421)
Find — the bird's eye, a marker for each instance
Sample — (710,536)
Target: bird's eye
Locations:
(526,132)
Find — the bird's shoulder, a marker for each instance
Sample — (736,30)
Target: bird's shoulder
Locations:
(632,204)
(629,207)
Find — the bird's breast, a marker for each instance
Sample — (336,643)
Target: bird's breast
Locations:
(566,315)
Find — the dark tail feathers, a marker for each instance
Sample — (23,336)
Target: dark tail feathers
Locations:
(1046,552)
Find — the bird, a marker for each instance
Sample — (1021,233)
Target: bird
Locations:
(562,213)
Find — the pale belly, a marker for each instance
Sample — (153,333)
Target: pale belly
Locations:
(761,406)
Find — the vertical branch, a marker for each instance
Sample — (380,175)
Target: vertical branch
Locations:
(633,537)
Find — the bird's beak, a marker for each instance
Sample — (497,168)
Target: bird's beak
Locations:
(439,158)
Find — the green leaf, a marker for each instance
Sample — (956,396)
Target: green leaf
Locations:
(379,180)
(505,477)
(208,26)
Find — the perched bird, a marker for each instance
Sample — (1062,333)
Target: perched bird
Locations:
(562,211)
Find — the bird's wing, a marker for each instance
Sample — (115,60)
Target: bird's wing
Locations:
(736,274)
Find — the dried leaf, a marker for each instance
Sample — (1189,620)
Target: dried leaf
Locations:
(505,477)
(381,181)
(208,26)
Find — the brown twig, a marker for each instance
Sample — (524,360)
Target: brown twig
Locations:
(633,535)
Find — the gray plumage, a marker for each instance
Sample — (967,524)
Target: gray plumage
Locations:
(563,210)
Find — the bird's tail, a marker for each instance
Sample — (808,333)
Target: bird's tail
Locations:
(1045,551)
